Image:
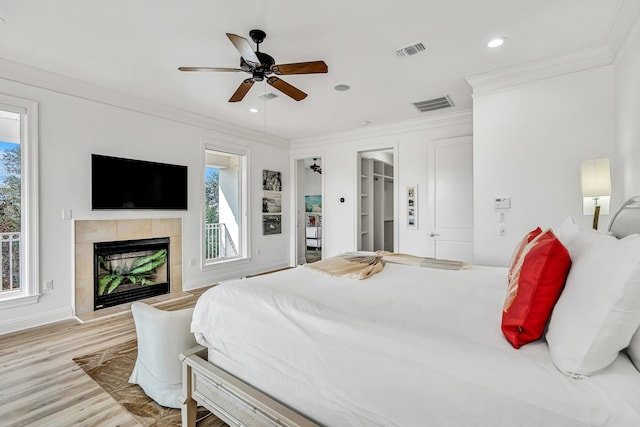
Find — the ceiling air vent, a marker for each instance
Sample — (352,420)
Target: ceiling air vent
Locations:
(433,104)
(412,49)
(268,96)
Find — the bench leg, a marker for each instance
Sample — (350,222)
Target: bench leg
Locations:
(189,406)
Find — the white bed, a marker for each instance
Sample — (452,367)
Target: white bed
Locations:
(409,346)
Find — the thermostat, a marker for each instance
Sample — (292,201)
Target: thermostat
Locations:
(502,202)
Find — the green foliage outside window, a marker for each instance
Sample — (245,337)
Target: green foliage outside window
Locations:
(211,195)
(10,191)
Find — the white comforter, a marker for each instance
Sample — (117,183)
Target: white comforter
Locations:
(409,346)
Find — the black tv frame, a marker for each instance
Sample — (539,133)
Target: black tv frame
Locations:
(119,183)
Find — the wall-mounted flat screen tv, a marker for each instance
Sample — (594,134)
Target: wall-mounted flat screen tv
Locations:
(118,183)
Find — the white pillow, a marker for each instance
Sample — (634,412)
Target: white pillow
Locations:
(567,231)
(634,349)
(598,311)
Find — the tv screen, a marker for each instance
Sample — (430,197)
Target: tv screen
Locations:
(118,183)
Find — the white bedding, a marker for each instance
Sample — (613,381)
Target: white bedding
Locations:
(409,346)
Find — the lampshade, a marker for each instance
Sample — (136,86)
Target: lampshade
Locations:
(596,178)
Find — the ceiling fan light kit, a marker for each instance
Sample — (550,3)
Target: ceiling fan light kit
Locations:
(262,66)
(315,166)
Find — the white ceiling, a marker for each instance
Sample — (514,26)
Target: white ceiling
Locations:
(135,47)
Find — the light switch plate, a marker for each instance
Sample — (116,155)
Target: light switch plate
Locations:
(502,202)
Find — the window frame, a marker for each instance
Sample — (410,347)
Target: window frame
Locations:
(29,292)
(245,224)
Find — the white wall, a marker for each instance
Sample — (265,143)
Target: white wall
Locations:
(312,181)
(626,165)
(71,128)
(528,144)
(339,155)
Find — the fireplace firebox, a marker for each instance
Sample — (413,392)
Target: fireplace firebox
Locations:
(129,270)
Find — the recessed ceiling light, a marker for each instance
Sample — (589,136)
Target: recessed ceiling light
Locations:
(496,42)
(253,110)
(342,88)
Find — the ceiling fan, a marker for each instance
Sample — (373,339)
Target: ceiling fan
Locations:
(316,167)
(261,65)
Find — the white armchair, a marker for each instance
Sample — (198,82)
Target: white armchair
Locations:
(162,336)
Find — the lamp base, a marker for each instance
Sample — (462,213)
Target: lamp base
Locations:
(596,215)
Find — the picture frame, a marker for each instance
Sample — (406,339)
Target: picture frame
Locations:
(313,203)
(271,202)
(412,207)
(271,180)
(271,224)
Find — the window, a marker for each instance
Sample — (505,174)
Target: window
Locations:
(225,225)
(18,202)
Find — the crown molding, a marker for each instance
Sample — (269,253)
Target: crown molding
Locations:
(627,19)
(580,60)
(456,118)
(528,72)
(24,74)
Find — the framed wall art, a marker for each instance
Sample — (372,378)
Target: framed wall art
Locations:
(412,207)
(271,202)
(271,180)
(271,224)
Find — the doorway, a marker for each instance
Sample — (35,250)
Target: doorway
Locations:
(376,201)
(309,222)
(450,199)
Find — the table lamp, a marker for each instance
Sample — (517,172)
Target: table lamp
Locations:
(596,183)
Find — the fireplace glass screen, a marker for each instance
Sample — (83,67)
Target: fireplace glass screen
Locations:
(130,270)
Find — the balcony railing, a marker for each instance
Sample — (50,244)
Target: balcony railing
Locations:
(10,262)
(218,242)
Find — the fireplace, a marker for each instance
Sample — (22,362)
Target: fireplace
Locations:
(129,270)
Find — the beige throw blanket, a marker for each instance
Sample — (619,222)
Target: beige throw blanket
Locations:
(362,266)
(406,259)
(349,265)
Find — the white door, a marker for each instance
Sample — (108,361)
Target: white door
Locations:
(450,198)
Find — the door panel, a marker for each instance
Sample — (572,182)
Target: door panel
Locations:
(451,198)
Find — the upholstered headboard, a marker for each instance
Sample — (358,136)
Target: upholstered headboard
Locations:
(627,219)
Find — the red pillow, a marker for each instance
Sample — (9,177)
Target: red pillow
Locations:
(517,253)
(535,286)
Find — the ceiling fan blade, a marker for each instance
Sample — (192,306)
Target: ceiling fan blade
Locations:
(286,88)
(242,90)
(209,69)
(300,68)
(245,49)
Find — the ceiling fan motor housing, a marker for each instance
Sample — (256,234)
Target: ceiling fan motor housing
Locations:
(266,61)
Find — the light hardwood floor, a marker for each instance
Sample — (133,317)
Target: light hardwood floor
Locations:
(40,385)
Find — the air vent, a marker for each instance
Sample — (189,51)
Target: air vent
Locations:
(412,49)
(433,104)
(268,96)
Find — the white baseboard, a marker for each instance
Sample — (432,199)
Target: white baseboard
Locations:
(22,323)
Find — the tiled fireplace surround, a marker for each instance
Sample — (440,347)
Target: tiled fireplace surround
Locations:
(89,231)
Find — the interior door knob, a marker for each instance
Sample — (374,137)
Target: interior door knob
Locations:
(433,234)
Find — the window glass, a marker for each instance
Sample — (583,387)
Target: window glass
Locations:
(225,228)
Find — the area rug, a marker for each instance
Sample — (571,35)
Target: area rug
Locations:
(110,369)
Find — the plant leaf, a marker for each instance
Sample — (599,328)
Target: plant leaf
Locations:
(162,253)
(116,282)
(103,282)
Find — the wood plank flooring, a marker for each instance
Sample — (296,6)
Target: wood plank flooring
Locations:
(40,385)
